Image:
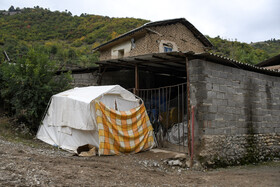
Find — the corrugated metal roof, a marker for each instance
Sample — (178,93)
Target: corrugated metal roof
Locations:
(196,32)
(270,62)
(174,62)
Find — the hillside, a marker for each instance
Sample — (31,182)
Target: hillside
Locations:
(250,53)
(69,39)
(272,47)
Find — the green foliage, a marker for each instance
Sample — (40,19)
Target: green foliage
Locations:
(12,8)
(71,37)
(239,51)
(28,84)
(272,47)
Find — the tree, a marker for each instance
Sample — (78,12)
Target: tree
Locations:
(28,84)
(72,54)
(11,9)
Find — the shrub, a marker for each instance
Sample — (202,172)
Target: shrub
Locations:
(28,84)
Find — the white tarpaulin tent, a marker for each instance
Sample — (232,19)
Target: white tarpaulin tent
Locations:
(70,120)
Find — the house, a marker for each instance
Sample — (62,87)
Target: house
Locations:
(234,107)
(271,63)
(155,37)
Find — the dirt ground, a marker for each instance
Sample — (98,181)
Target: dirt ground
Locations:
(41,165)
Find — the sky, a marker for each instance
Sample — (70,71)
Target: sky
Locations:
(242,20)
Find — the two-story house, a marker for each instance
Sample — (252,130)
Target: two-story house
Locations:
(155,37)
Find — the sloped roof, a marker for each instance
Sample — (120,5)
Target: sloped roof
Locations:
(183,21)
(270,62)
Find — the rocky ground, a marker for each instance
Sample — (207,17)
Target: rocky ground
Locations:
(37,164)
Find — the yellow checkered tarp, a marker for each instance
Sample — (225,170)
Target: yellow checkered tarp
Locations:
(123,131)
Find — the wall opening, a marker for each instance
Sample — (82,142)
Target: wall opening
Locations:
(121,53)
(167,47)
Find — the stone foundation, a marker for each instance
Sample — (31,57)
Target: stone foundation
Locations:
(223,150)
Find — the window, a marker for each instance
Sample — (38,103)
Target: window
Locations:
(121,53)
(167,47)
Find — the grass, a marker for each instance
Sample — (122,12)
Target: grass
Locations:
(11,132)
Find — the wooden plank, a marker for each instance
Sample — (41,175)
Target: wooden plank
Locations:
(188,107)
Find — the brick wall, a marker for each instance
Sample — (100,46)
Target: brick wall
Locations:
(237,114)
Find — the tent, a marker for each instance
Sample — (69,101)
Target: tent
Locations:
(108,117)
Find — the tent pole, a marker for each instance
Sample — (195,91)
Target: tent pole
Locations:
(136,80)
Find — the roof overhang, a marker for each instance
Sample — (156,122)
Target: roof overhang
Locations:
(270,62)
(174,63)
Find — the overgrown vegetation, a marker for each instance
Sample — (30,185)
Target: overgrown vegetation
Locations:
(28,84)
(272,47)
(243,52)
(70,39)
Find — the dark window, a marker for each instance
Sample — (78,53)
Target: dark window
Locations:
(120,53)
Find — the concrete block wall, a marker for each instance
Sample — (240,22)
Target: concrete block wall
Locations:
(125,78)
(237,114)
(85,79)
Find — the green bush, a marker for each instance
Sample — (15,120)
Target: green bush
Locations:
(28,84)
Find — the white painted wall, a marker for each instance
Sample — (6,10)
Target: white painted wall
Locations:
(126,46)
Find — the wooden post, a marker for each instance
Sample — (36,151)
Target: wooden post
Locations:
(188,106)
(136,80)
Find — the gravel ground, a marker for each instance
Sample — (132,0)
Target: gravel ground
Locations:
(24,165)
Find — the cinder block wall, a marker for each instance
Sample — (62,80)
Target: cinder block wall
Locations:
(237,114)
(85,79)
(125,78)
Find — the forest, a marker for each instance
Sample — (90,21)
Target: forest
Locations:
(68,39)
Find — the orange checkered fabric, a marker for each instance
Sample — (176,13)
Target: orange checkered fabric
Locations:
(123,131)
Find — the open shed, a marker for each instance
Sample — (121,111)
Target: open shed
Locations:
(228,102)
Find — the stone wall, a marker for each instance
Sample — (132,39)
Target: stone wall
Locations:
(237,114)
(177,33)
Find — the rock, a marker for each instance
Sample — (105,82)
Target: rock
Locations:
(188,163)
(197,166)
(210,162)
(155,164)
(174,163)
